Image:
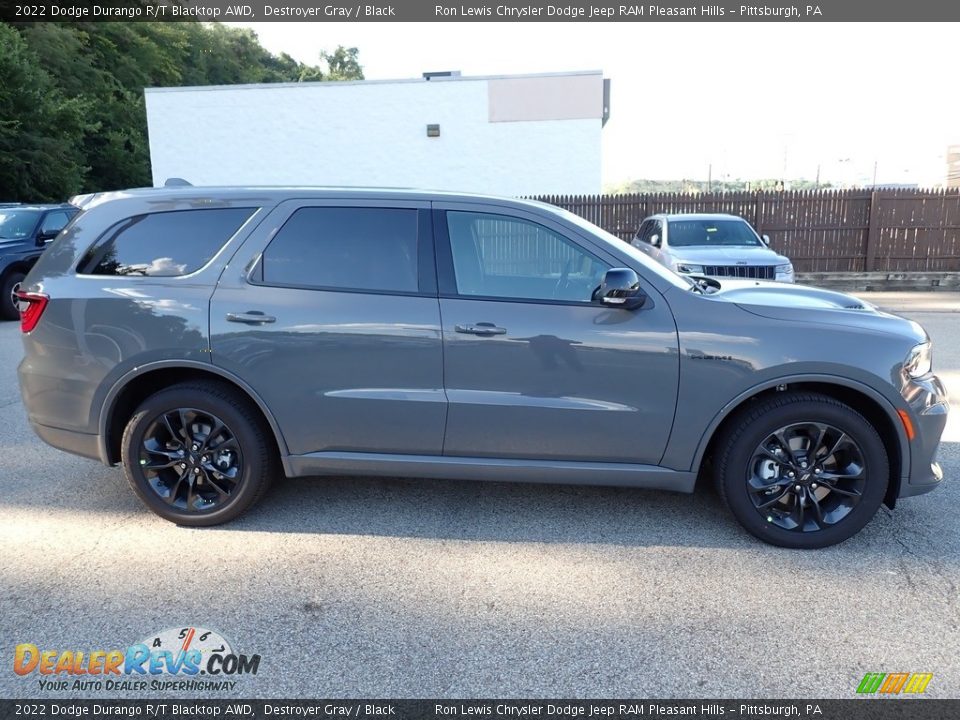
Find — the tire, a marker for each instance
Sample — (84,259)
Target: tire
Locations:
(214,484)
(9,310)
(827,500)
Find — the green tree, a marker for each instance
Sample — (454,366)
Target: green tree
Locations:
(90,77)
(40,128)
(342,64)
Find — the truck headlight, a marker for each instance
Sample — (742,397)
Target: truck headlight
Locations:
(919,361)
(786,269)
(689,269)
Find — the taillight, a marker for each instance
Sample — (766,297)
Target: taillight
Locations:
(32,306)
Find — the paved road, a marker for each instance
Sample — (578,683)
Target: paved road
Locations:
(396,588)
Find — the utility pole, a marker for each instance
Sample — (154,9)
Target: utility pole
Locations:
(874,174)
(710,177)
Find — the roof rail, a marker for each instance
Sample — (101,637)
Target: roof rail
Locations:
(177,182)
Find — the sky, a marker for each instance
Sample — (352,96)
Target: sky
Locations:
(735,100)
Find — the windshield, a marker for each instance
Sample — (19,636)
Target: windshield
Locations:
(624,247)
(17,224)
(712,233)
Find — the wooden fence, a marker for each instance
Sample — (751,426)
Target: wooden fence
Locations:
(819,230)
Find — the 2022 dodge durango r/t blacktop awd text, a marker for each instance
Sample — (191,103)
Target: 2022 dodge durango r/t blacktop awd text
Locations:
(210,340)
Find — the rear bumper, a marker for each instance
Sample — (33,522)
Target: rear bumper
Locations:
(87,446)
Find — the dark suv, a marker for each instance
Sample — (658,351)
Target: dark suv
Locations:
(211,340)
(25,231)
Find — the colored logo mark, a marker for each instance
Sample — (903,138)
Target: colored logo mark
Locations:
(894,683)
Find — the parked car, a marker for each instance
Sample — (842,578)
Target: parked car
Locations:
(712,245)
(25,231)
(210,340)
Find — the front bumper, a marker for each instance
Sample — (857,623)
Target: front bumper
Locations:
(927,399)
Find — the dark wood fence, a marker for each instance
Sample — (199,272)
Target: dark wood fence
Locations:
(819,230)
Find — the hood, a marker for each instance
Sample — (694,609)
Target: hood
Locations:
(761,292)
(804,303)
(731,255)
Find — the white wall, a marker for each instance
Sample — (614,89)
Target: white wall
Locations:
(371,134)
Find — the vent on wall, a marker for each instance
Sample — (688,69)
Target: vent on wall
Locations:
(441,73)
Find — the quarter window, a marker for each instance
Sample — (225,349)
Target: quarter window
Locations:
(163,244)
(500,256)
(345,248)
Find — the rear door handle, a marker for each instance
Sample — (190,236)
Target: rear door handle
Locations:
(252,317)
(483,329)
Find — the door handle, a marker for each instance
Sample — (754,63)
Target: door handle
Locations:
(484,329)
(253,317)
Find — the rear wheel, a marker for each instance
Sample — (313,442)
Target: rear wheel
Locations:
(196,454)
(802,470)
(9,304)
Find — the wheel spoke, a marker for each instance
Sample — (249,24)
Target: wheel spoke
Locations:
(833,476)
(172,497)
(209,479)
(218,427)
(815,446)
(758,484)
(775,500)
(160,466)
(817,510)
(229,442)
(174,435)
(785,444)
(836,446)
(798,502)
(840,491)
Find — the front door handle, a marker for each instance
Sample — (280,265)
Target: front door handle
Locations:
(252,317)
(484,329)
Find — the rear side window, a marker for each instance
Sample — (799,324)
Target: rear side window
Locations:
(345,249)
(163,244)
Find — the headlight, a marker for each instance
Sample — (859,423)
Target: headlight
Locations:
(684,268)
(919,361)
(785,269)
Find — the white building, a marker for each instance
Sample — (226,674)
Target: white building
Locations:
(506,135)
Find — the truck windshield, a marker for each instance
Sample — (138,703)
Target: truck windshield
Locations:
(17,224)
(711,233)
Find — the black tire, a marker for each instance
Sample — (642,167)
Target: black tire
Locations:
(255,461)
(741,451)
(9,310)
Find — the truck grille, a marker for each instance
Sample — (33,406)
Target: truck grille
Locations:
(756,272)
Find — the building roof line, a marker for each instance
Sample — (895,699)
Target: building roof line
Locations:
(343,83)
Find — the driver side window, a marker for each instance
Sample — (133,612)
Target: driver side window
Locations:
(506,257)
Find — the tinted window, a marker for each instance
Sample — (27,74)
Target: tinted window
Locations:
(54,222)
(348,248)
(711,233)
(17,224)
(499,256)
(163,244)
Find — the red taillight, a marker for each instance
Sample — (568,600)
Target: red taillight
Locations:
(32,306)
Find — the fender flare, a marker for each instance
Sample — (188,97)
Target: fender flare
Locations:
(109,402)
(881,400)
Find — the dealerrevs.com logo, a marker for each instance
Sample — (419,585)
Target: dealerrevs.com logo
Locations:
(181,659)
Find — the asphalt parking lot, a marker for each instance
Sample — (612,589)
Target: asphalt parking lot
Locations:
(400,588)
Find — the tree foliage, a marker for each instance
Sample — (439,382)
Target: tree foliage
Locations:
(72,115)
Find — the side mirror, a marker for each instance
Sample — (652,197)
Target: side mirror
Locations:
(655,240)
(621,288)
(766,240)
(45,236)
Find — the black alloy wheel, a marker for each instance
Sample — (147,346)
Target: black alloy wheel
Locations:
(198,453)
(191,459)
(801,470)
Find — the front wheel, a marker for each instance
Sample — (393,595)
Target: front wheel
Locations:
(196,454)
(802,470)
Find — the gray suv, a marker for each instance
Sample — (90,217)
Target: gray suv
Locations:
(212,340)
